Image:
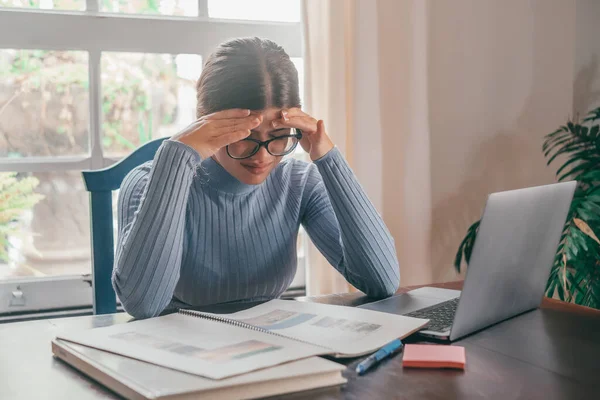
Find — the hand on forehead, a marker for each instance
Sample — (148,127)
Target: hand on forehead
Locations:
(268,116)
(269,113)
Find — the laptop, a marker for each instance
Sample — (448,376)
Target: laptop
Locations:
(510,264)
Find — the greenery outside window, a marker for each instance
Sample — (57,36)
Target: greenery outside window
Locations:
(82,84)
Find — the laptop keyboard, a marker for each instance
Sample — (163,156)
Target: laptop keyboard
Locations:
(440,316)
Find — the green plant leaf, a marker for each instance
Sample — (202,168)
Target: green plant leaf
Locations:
(555,133)
(560,135)
(16,196)
(560,291)
(585,229)
(592,115)
(591,207)
(466,246)
(575,157)
(593,198)
(589,216)
(571,145)
(557,143)
(592,175)
(579,240)
(558,153)
(560,132)
(579,168)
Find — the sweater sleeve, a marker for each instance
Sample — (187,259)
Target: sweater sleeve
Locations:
(152,207)
(346,228)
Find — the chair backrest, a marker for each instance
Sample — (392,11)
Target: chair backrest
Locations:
(100,183)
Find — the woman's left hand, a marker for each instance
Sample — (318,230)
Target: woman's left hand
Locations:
(314,138)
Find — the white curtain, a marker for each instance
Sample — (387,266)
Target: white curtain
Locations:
(328,96)
(365,75)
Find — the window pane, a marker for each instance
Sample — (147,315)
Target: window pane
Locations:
(188,8)
(146,96)
(260,10)
(43,103)
(77,5)
(51,235)
(301,248)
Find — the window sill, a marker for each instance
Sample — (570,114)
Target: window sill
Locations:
(33,315)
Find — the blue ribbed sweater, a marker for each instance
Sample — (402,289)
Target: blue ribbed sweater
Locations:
(190,234)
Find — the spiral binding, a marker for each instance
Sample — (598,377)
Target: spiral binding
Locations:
(197,314)
(241,324)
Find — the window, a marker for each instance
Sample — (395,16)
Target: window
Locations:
(173,7)
(82,84)
(63,5)
(260,10)
(145,96)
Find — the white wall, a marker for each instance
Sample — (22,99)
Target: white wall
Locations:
(500,75)
(467,90)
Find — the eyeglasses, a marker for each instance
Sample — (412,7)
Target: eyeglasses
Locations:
(277,146)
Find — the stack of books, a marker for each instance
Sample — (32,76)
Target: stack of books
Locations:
(270,349)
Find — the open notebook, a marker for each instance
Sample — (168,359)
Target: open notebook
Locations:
(219,346)
(135,379)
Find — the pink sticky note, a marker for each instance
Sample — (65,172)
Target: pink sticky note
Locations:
(433,356)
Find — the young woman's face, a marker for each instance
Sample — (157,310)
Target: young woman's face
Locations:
(254,170)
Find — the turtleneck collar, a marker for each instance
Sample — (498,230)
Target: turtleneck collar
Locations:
(216,176)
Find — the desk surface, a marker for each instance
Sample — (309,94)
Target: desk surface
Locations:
(550,353)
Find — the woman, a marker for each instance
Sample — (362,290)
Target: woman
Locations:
(215,216)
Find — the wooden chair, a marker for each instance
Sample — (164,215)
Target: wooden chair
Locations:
(100,184)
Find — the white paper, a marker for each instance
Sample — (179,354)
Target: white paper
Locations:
(347,331)
(203,347)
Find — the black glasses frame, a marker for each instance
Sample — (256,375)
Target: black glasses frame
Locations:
(265,144)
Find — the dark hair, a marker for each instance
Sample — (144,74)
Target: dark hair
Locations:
(249,73)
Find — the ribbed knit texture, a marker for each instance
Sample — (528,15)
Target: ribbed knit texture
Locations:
(191,234)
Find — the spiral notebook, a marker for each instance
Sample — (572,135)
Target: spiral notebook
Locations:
(219,346)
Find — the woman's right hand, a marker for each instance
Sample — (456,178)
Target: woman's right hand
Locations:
(211,132)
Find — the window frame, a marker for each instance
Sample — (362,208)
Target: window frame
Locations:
(98,32)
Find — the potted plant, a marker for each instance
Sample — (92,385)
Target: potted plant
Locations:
(575,274)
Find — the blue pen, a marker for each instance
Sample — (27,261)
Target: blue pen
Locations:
(385,351)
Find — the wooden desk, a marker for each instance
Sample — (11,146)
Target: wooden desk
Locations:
(551,353)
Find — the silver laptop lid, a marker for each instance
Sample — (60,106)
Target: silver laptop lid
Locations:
(512,255)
